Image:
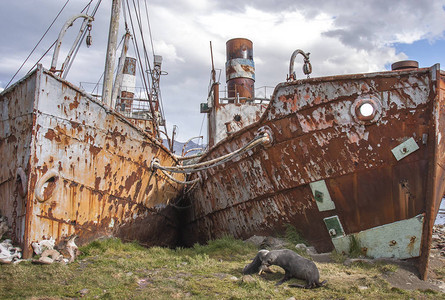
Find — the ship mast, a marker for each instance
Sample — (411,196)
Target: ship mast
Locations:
(111,52)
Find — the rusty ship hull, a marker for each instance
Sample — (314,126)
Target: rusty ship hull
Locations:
(71,165)
(333,171)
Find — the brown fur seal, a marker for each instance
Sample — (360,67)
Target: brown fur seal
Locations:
(295,266)
(254,266)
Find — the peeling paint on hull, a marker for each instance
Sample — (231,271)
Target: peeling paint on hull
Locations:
(87,168)
(320,133)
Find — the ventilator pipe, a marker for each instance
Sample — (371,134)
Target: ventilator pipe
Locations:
(307,68)
(68,24)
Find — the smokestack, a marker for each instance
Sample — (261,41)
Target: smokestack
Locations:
(240,68)
(128,84)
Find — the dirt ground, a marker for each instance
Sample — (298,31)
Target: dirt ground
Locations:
(407,277)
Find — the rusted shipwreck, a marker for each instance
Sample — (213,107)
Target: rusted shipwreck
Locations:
(337,157)
(73,163)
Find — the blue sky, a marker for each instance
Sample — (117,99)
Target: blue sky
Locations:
(426,52)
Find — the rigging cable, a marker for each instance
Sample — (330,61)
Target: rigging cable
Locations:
(32,51)
(149,28)
(135,44)
(202,124)
(139,19)
(161,104)
(140,62)
(82,38)
(146,59)
(41,57)
(100,79)
(87,7)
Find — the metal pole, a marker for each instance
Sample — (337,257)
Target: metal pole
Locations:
(111,52)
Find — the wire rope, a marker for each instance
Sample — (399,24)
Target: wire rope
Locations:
(35,47)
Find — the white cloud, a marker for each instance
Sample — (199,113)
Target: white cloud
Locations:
(168,51)
(345,36)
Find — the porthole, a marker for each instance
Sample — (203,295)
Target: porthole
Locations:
(366,110)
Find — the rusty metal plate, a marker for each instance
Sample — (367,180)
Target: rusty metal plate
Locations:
(405,149)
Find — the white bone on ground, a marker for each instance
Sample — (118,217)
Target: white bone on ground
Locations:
(8,252)
(71,247)
(43,245)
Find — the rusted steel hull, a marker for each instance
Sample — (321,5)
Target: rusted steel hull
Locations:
(70,165)
(331,171)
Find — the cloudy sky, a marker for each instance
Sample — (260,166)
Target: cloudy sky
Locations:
(350,36)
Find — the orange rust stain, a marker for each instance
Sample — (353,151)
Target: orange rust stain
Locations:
(88,138)
(131,180)
(50,134)
(411,244)
(94,150)
(364,88)
(317,100)
(97,183)
(107,170)
(138,189)
(247,69)
(76,126)
(291,101)
(61,130)
(74,104)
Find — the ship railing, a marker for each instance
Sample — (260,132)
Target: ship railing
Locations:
(263,94)
(135,107)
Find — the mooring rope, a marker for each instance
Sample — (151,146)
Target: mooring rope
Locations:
(188,169)
(179,181)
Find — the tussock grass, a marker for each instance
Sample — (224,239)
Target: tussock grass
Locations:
(355,249)
(110,269)
(293,237)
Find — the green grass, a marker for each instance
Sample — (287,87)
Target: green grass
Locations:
(355,250)
(110,269)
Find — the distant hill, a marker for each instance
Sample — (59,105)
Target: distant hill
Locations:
(177,147)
